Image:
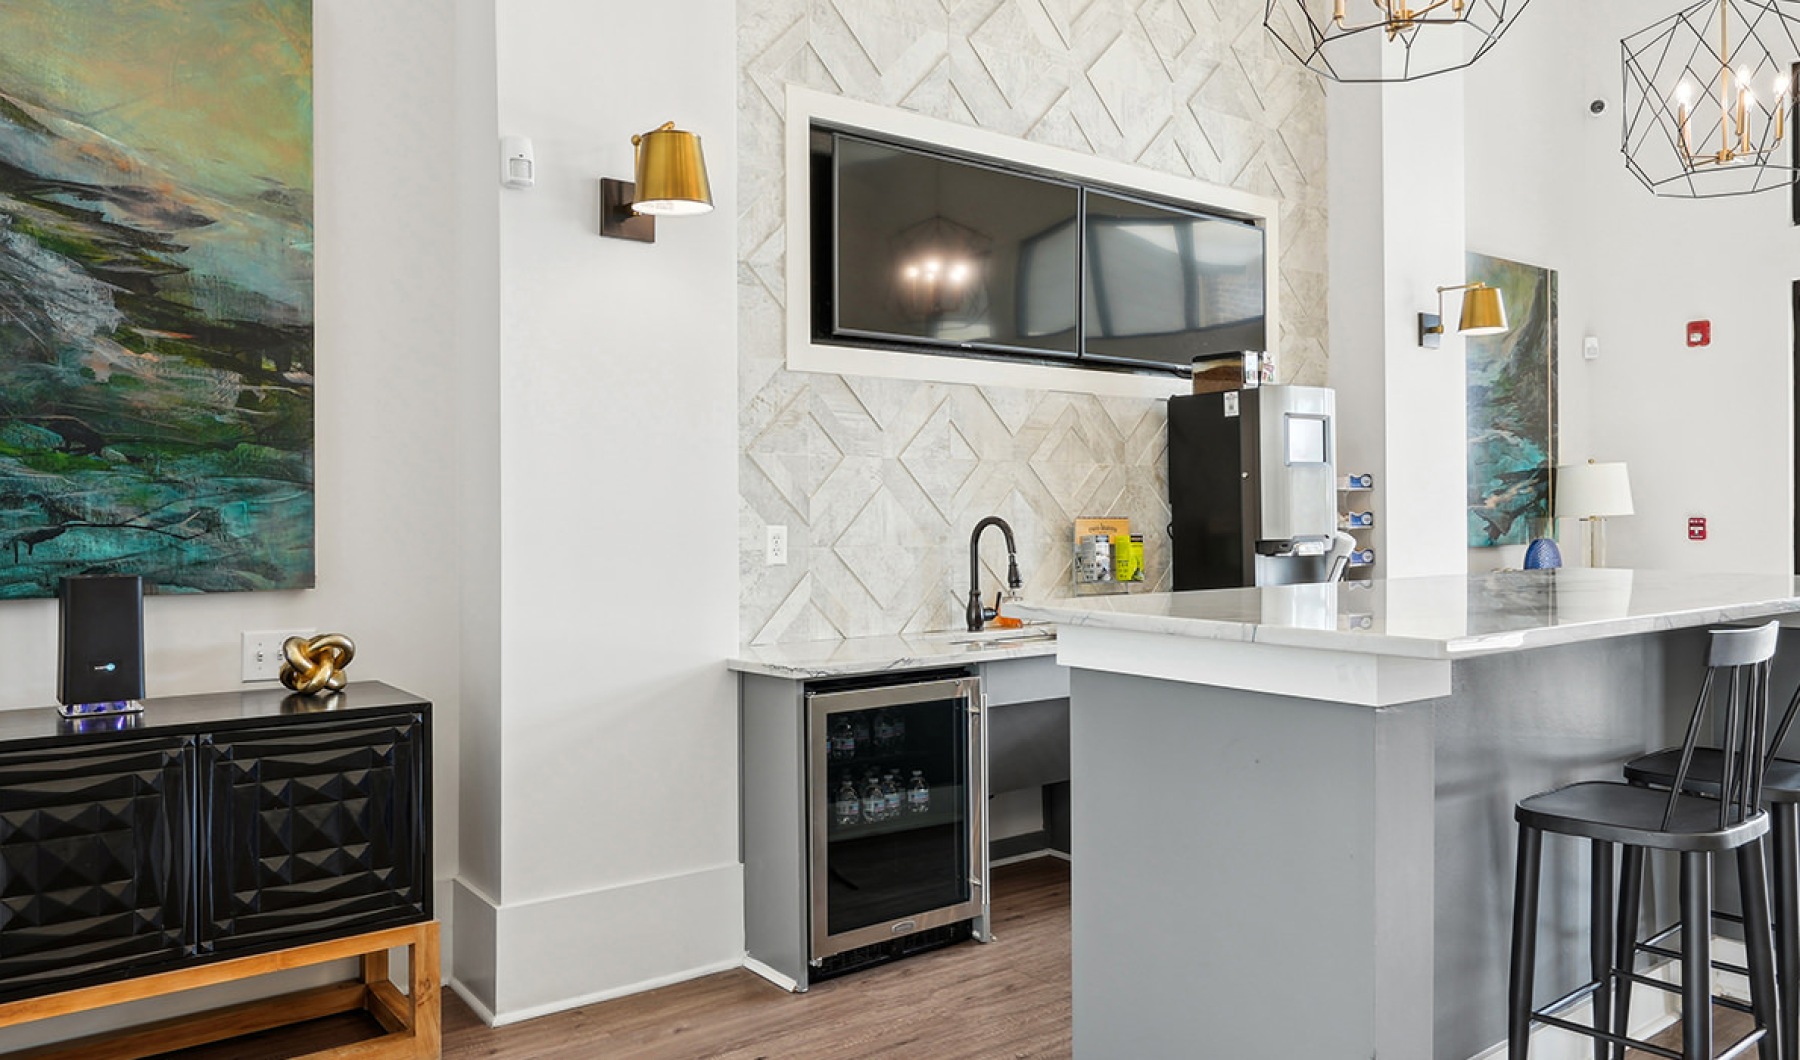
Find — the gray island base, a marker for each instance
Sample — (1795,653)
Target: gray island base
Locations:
(1294,804)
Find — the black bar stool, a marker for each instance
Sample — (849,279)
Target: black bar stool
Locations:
(1781,797)
(1609,813)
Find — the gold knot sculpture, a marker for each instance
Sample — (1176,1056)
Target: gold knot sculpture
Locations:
(316,664)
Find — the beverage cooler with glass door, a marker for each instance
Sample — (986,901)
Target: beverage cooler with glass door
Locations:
(864,820)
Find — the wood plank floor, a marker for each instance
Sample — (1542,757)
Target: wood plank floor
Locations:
(1729,1025)
(1009,998)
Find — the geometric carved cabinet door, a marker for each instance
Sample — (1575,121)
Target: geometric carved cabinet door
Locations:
(313,829)
(95,858)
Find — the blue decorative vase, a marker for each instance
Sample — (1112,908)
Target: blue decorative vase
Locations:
(1542,554)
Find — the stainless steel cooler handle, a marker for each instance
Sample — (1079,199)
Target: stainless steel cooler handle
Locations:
(978,768)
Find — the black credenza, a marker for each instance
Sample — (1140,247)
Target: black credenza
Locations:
(208,827)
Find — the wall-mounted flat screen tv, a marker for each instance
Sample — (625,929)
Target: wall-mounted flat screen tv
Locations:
(1169,285)
(915,249)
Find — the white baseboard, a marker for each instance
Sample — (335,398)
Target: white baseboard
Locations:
(528,959)
(488,1017)
(469,999)
(443,910)
(596,997)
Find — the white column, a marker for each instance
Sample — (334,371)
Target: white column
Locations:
(1397,233)
(601,808)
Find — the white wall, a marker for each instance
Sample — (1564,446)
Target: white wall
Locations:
(1358,308)
(386,420)
(477,360)
(1705,432)
(1397,203)
(526,483)
(1530,205)
(617,374)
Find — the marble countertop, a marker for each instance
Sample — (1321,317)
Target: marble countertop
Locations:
(909,651)
(1445,617)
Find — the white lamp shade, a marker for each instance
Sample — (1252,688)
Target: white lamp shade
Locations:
(1587,490)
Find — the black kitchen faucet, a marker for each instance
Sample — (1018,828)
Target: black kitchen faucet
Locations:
(979,615)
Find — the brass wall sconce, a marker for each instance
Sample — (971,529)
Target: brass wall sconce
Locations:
(1483,313)
(671,182)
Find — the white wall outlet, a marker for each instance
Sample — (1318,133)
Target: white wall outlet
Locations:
(262,652)
(776,555)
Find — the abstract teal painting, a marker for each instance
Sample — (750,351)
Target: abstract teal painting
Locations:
(1512,405)
(156,293)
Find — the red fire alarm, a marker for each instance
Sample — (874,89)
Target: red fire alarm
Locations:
(1697,528)
(1699,333)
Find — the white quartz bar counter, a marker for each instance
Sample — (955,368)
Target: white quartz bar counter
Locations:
(1447,617)
(911,651)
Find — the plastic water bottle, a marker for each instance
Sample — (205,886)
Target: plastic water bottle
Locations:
(847,807)
(874,803)
(842,740)
(890,791)
(884,731)
(918,794)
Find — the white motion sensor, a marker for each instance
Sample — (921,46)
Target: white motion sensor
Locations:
(517,167)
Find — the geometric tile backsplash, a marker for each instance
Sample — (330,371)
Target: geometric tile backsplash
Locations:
(880,481)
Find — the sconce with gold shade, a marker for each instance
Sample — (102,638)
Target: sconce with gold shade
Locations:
(671,182)
(1483,313)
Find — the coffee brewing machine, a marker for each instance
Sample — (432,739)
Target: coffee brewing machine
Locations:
(1253,488)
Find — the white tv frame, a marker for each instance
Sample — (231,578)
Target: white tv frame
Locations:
(805,106)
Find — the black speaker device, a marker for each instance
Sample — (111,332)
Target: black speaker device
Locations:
(100,640)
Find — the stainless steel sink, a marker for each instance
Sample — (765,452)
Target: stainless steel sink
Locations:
(1003,637)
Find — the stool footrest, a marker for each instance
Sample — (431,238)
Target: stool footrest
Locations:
(1743,1045)
(1607,1036)
(1675,928)
(1737,1048)
(1675,955)
(1585,990)
(1675,988)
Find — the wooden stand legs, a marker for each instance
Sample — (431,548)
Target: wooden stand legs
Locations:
(412,1021)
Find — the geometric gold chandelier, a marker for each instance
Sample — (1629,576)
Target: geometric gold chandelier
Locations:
(1708,96)
(1388,40)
